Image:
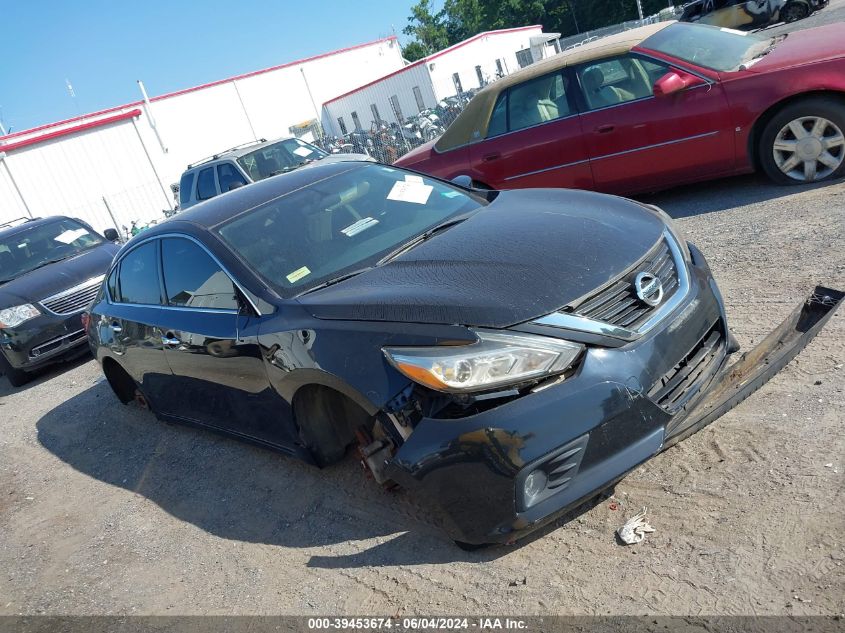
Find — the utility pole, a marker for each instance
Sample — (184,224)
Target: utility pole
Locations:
(640,8)
(574,18)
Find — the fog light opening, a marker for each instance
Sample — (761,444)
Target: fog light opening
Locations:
(534,485)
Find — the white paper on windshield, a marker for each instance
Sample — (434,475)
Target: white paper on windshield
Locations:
(413,178)
(70,236)
(415,192)
(361,225)
(303,151)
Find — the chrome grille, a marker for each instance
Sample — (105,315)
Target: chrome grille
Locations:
(73,299)
(619,305)
(56,343)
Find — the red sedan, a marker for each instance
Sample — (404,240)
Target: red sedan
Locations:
(656,107)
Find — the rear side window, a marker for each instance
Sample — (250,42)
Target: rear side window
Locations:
(205,184)
(113,285)
(138,277)
(499,118)
(185,186)
(228,175)
(192,279)
(537,101)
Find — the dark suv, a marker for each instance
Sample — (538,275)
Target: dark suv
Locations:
(50,270)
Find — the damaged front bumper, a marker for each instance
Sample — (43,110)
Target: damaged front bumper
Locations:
(497,475)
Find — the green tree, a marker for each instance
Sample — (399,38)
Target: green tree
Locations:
(427,29)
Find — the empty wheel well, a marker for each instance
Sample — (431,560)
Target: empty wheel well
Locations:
(120,381)
(327,421)
(768,115)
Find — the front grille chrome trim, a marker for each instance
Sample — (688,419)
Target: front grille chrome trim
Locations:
(56,344)
(571,321)
(73,299)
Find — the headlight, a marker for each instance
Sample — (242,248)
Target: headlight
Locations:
(496,359)
(13,317)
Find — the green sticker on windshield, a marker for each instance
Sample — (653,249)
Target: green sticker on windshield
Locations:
(298,274)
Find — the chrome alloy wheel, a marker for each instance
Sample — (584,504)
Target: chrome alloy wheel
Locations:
(809,148)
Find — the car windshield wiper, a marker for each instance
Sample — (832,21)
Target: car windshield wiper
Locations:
(422,237)
(50,261)
(335,280)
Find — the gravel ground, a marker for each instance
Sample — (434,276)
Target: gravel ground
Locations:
(103,509)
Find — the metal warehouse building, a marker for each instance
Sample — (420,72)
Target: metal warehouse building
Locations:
(116,165)
(469,64)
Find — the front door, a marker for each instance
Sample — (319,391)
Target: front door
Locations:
(639,142)
(211,346)
(534,138)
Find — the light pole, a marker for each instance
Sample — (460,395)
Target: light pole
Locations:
(640,8)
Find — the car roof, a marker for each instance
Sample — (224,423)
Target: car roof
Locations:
(29,223)
(227,205)
(237,151)
(471,124)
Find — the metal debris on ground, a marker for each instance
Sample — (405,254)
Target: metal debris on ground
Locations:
(635,528)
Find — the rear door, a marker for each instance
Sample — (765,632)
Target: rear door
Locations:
(129,324)
(639,142)
(534,138)
(211,345)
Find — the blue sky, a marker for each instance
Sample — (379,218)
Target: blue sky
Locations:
(103,47)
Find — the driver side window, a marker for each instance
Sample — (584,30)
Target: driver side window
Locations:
(618,80)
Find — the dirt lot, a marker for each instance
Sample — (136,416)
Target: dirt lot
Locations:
(105,510)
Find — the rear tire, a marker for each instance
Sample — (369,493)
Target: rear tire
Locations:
(804,142)
(16,377)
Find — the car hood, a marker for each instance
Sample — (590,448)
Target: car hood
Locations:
(340,158)
(52,279)
(803,47)
(527,254)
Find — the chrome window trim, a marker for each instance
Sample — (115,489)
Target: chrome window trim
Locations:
(231,277)
(591,326)
(93,281)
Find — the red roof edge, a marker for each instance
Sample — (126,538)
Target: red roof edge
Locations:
(195,88)
(435,56)
(70,130)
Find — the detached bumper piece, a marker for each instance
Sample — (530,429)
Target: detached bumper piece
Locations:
(755,367)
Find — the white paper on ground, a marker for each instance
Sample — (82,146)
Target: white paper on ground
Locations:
(405,191)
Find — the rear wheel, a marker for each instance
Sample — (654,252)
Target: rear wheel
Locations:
(804,142)
(16,377)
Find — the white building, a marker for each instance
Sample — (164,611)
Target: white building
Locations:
(422,84)
(116,165)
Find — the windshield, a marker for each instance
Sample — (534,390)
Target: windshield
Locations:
(278,158)
(29,248)
(341,225)
(708,46)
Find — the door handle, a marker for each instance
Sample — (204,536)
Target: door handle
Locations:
(604,129)
(488,157)
(169,340)
(115,327)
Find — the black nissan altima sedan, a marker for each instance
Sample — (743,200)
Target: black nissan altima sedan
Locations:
(502,354)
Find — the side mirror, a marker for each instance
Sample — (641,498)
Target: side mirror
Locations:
(463,181)
(675,81)
(111,235)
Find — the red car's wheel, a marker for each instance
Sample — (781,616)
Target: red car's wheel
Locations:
(804,142)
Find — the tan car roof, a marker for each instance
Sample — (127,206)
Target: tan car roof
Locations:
(471,124)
